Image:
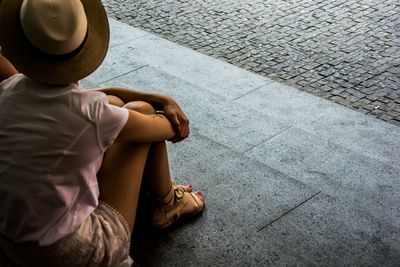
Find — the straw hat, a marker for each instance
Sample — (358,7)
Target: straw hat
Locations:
(55,42)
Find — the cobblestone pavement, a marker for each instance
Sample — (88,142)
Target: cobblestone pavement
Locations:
(346,51)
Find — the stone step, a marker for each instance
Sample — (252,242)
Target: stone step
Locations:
(362,134)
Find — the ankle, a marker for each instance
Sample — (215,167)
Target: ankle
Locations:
(167,201)
(165,193)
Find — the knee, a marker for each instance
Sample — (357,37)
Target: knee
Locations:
(141,106)
(114,100)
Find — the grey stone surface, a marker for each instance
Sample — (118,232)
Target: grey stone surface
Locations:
(124,33)
(240,192)
(86,84)
(198,69)
(335,170)
(361,134)
(118,62)
(345,51)
(286,104)
(210,114)
(289,179)
(329,231)
(370,137)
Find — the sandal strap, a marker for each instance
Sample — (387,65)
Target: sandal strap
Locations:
(169,207)
(174,198)
(179,201)
(169,197)
(196,198)
(175,184)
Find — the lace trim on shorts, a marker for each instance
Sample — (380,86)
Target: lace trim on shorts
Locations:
(121,218)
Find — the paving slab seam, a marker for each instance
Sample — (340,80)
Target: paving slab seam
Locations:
(317,120)
(258,88)
(281,243)
(288,177)
(385,235)
(261,228)
(118,76)
(330,142)
(131,40)
(266,140)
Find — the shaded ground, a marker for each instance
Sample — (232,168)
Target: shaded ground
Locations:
(346,51)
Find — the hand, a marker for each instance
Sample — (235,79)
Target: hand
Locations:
(178,120)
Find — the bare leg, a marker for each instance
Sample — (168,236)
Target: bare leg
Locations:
(157,165)
(120,178)
(157,173)
(121,173)
(125,164)
(157,170)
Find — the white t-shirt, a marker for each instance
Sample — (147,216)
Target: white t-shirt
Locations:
(52,142)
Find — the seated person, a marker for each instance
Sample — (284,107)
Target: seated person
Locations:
(71,160)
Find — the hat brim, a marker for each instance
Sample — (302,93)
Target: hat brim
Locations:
(54,70)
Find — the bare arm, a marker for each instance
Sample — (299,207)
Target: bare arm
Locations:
(171,109)
(6,68)
(141,128)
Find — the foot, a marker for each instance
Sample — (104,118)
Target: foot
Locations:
(176,204)
(186,188)
(193,205)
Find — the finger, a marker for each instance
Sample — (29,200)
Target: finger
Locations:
(185,127)
(174,123)
(176,139)
(178,129)
(185,131)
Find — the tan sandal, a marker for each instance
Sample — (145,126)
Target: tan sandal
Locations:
(169,208)
(175,185)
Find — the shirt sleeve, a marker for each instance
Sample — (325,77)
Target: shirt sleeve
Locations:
(110,120)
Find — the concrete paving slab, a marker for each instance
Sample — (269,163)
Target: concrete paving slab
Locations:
(210,114)
(86,84)
(119,61)
(362,134)
(335,170)
(330,233)
(286,104)
(201,70)
(124,33)
(240,192)
(324,231)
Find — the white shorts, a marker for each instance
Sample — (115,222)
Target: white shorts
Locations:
(103,239)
